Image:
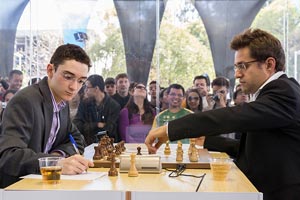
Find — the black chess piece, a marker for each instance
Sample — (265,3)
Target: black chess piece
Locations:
(139,150)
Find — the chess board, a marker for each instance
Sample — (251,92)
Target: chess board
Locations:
(168,161)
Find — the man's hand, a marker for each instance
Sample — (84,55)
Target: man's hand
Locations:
(75,164)
(156,137)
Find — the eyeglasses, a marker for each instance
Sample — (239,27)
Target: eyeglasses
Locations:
(71,78)
(88,87)
(243,65)
(193,98)
(174,95)
(140,87)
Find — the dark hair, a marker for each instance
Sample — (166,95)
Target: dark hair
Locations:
(200,106)
(109,80)
(220,81)
(122,75)
(175,86)
(4,84)
(147,117)
(261,45)
(15,71)
(161,93)
(96,81)
(69,52)
(205,77)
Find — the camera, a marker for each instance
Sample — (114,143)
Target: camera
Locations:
(216,96)
(3,104)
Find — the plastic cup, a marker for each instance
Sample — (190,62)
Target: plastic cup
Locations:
(50,168)
(220,168)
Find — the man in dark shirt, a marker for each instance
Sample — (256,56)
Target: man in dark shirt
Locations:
(122,96)
(98,112)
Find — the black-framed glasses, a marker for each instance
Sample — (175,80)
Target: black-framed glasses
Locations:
(71,78)
(243,65)
(140,87)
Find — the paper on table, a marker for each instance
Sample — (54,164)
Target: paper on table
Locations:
(89,176)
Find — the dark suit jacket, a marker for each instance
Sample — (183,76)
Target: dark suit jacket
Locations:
(26,127)
(269,152)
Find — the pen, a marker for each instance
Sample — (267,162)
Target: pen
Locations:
(74,143)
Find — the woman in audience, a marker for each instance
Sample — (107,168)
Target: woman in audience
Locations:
(194,100)
(136,117)
(163,99)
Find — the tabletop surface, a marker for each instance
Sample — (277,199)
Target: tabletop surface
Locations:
(236,181)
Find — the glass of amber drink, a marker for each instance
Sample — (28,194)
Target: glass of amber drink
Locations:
(51,168)
(220,168)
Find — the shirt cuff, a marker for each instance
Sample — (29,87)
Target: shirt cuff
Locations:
(63,154)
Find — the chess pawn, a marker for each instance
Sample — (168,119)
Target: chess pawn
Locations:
(179,155)
(138,150)
(167,150)
(192,144)
(194,155)
(113,170)
(179,152)
(133,172)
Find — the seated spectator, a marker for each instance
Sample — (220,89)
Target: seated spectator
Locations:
(138,114)
(194,100)
(98,112)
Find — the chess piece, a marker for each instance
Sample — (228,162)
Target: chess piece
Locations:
(194,155)
(97,155)
(192,143)
(139,150)
(113,170)
(179,152)
(167,150)
(132,171)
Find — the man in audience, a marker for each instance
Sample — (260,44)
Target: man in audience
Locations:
(220,87)
(110,86)
(202,84)
(36,121)
(175,96)
(152,93)
(15,79)
(97,113)
(122,95)
(269,149)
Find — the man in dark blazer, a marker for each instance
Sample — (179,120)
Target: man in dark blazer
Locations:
(36,121)
(269,151)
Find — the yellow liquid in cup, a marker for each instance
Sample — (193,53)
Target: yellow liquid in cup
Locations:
(220,170)
(51,175)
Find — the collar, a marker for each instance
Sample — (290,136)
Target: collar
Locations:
(57,106)
(272,78)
